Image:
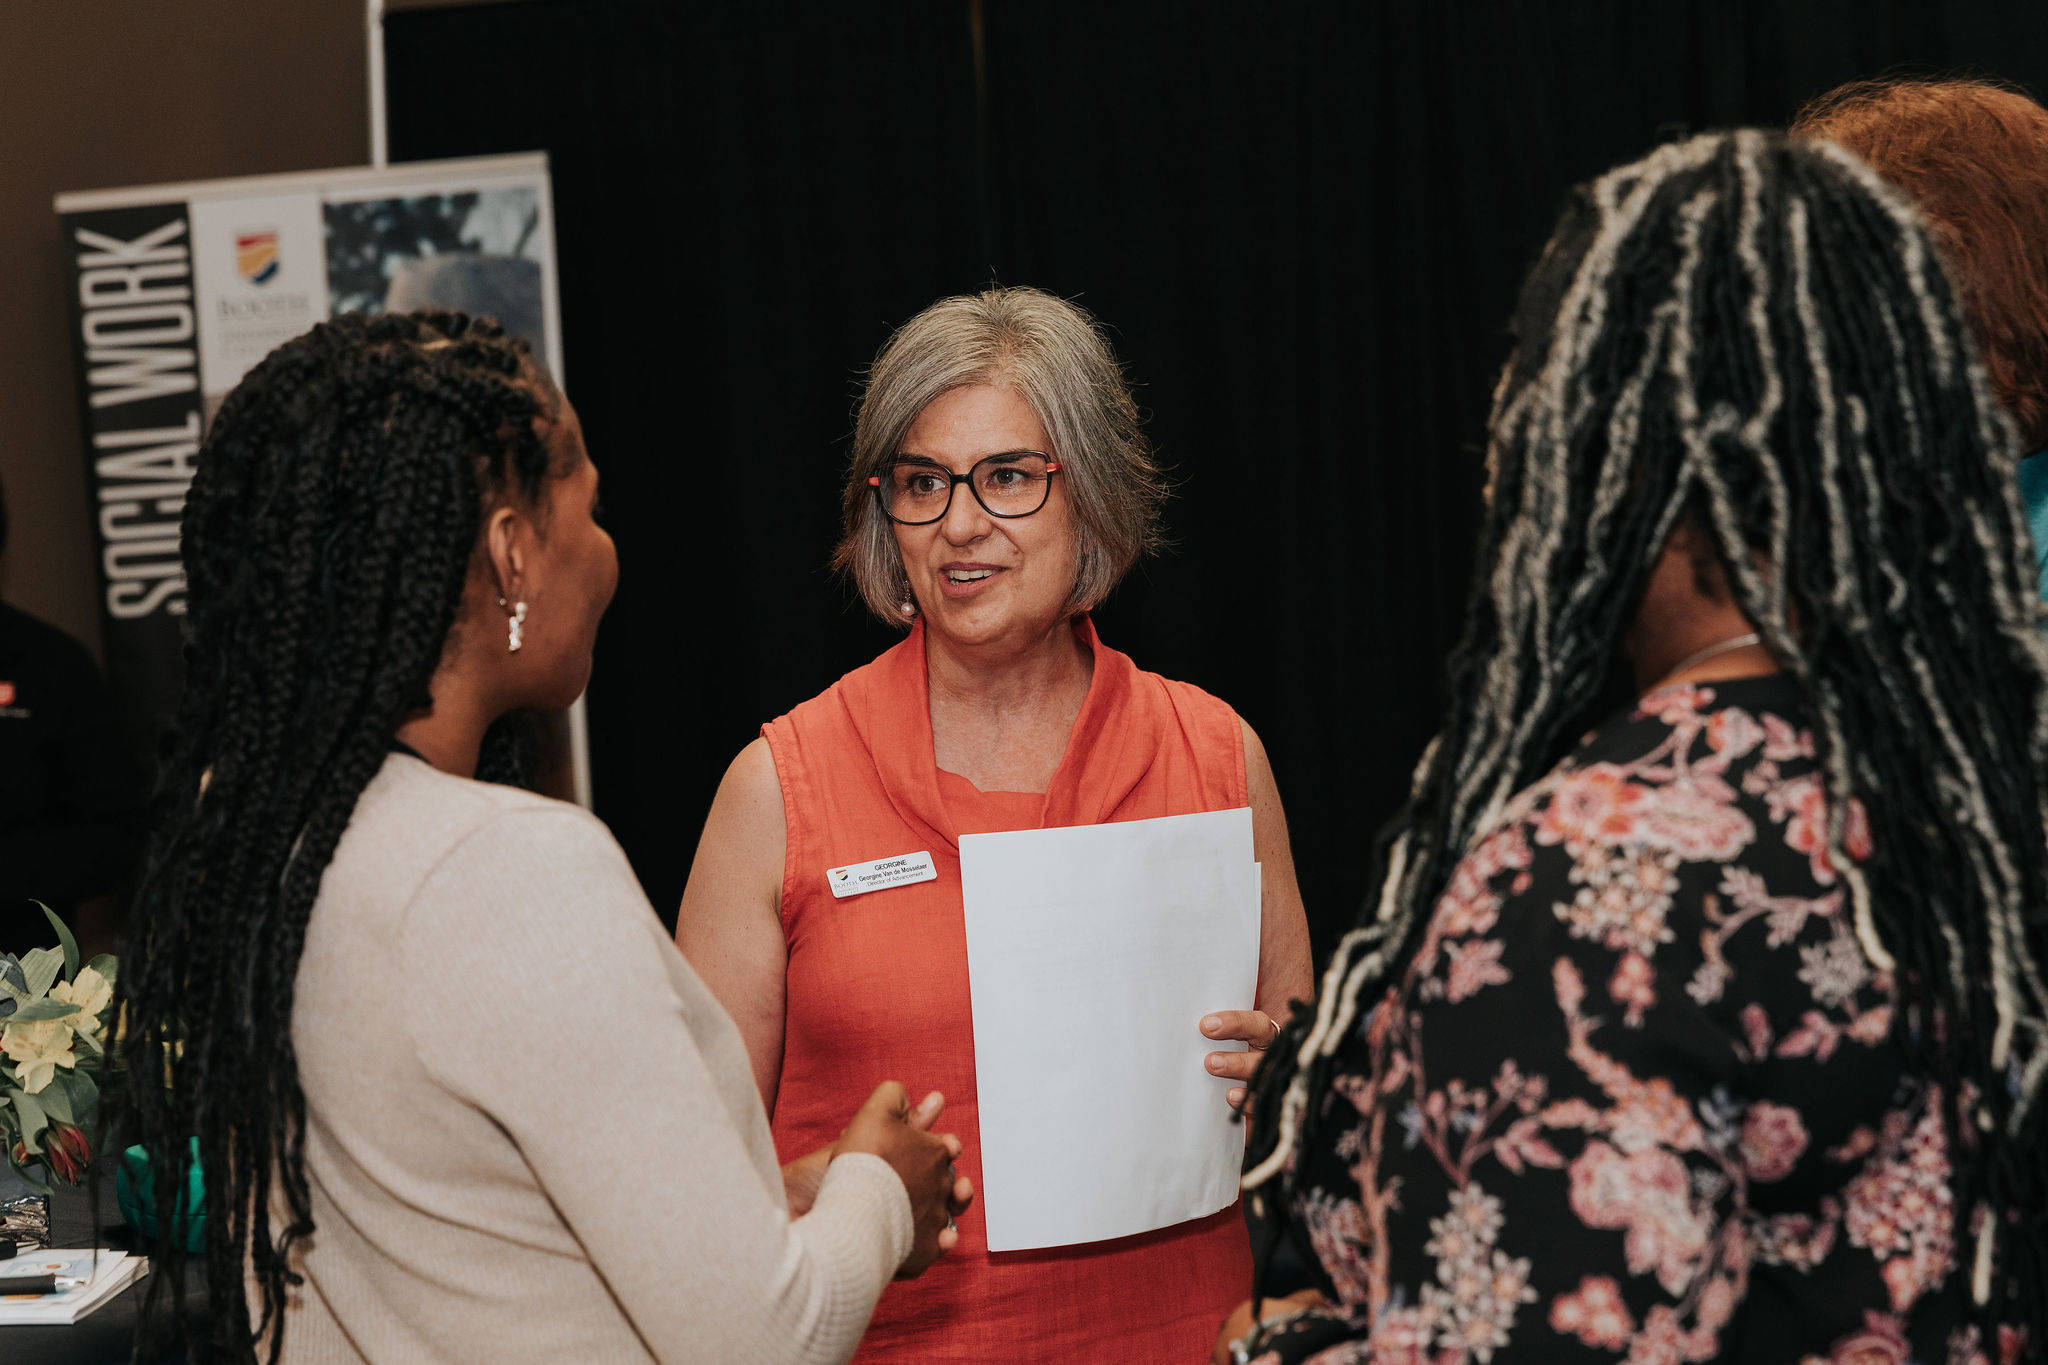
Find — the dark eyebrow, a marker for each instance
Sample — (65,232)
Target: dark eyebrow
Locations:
(903,457)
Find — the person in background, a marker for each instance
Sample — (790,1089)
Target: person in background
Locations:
(1720,1039)
(1974,157)
(999,488)
(456,1096)
(71,791)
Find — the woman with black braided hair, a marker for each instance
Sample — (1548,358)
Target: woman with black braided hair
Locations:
(455,1095)
(1721,1038)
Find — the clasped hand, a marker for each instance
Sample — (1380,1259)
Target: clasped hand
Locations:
(889,1128)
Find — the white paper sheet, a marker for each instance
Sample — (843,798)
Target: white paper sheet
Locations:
(1093,952)
(105,1276)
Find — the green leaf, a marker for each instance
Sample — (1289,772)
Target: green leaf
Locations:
(33,1120)
(85,1044)
(42,1010)
(56,1102)
(107,965)
(63,937)
(85,1097)
(41,966)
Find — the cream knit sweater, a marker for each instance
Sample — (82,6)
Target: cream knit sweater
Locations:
(532,1134)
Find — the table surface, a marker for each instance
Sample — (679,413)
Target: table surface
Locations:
(107,1336)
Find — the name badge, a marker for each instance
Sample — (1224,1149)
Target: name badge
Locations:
(859,878)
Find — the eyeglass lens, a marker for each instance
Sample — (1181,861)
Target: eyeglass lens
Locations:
(1014,484)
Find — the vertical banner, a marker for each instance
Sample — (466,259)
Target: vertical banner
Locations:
(178,290)
(137,337)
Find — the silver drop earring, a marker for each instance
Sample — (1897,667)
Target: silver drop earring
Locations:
(517,624)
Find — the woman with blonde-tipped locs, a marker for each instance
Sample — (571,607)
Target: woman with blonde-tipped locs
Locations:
(1720,1038)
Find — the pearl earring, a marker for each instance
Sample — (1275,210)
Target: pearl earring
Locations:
(517,623)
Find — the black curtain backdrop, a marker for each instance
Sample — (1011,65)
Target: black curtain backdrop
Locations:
(1304,222)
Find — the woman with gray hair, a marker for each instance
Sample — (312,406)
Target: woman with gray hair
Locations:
(1001,710)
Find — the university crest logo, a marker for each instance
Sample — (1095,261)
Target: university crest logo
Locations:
(256,256)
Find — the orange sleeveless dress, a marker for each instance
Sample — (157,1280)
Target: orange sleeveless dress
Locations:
(877,990)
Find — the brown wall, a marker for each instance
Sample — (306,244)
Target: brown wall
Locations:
(102,93)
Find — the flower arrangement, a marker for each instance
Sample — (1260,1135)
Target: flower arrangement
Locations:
(54,1016)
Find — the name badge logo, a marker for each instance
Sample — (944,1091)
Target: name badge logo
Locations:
(857,879)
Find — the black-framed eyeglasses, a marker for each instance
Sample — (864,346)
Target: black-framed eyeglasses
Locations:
(916,491)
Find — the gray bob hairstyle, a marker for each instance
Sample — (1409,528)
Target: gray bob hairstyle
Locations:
(1054,356)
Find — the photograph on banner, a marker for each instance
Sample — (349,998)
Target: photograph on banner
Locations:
(478,252)
(179,290)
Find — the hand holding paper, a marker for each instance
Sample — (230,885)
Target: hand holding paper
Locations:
(1255,1029)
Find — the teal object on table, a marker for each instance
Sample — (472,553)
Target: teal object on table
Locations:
(135,1192)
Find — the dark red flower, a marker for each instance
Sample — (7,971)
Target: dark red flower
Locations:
(67,1151)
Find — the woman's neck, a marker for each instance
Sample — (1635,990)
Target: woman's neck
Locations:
(1686,629)
(1001,717)
(451,735)
(1695,638)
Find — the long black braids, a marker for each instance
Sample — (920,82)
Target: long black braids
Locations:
(330,528)
(1754,336)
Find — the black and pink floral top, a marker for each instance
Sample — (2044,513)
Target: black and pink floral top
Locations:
(1640,1096)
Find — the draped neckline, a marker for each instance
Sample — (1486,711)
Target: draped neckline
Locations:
(1106,755)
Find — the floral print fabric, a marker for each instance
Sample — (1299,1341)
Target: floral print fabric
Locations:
(1639,1097)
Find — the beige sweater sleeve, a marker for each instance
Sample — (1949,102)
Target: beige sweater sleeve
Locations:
(544,999)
